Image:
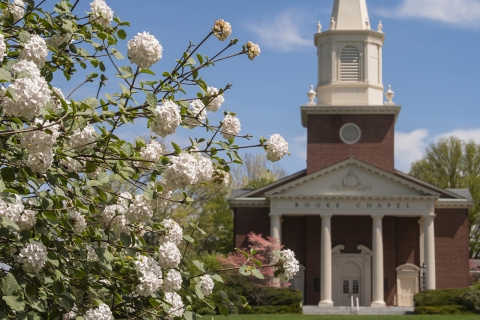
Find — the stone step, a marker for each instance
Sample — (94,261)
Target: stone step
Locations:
(361,311)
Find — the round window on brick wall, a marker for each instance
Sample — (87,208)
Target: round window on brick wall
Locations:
(350,133)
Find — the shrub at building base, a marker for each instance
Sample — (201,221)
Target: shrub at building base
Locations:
(449,301)
(275,300)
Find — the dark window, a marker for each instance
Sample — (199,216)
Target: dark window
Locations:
(385,285)
(316,284)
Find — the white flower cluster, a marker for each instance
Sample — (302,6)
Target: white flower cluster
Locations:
(72,165)
(230,127)
(290,265)
(172,281)
(32,256)
(91,254)
(166,120)
(101,13)
(17,9)
(173,232)
(150,275)
(101,313)
(206,284)
(3,46)
(39,140)
(26,220)
(199,114)
(221,177)
(39,145)
(215,103)
(144,50)
(277,147)
(222,29)
(35,50)
(11,210)
(151,152)
(79,221)
(114,215)
(177,307)
(32,95)
(187,169)
(253,50)
(24,65)
(140,210)
(168,255)
(72,315)
(58,38)
(82,138)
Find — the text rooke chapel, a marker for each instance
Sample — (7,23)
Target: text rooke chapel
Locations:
(356,225)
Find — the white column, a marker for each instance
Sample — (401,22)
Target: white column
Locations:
(377,263)
(422,241)
(429,235)
(326,263)
(276,226)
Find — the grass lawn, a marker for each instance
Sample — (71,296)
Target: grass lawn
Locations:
(337,317)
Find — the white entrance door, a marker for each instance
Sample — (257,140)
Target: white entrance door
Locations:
(350,288)
(407,290)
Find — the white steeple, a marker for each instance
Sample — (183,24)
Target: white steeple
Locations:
(350,58)
(350,14)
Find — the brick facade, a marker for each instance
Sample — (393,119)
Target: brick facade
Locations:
(325,148)
(401,243)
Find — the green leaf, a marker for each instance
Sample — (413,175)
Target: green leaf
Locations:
(126,240)
(152,100)
(198,292)
(15,302)
(244,270)
(147,71)
(154,302)
(5,76)
(9,223)
(217,278)
(37,304)
(8,174)
(103,178)
(127,148)
(122,34)
(257,274)
(199,265)
(9,285)
(117,54)
(91,102)
(223,310)
(58,287)
(24,36)
(177,148)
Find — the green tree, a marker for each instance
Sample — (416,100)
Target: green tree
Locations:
(451,163)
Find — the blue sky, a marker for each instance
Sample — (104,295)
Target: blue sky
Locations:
(431,59)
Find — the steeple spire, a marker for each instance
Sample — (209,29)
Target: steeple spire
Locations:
(351,15)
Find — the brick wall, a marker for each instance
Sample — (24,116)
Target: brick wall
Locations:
(250,220)
(325,148)
(294,237)
(451,248)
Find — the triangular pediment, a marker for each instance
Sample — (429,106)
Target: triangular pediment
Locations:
(351,178)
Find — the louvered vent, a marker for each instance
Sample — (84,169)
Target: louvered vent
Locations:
(350,64)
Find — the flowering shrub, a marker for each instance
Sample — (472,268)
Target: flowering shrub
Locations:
(73,246)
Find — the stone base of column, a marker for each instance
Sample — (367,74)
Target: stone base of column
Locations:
(378,304)
(325,303)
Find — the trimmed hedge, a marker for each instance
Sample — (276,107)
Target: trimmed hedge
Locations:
(440,298)
(442,310)
(275,300)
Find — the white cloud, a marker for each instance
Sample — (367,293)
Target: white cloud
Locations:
(460,12)
(465,135)
(282,32)
(409,147)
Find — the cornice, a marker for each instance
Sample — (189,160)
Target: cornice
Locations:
(351,197)
(249,202)
(453,204)
(379,109)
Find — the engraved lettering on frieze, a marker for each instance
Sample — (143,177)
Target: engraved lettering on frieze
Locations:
(351,183)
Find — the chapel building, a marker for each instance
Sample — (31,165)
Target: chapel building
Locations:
(358,227)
